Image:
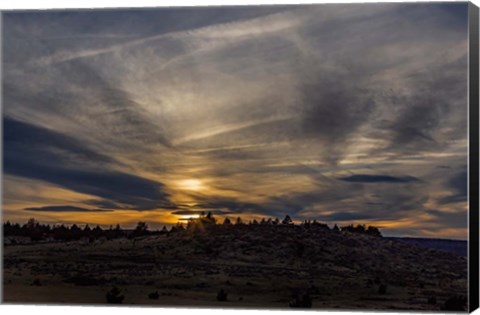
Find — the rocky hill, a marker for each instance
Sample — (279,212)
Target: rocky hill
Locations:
(241,266)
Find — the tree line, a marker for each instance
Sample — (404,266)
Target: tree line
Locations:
(37,231)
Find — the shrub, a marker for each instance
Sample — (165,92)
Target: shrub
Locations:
(382,289)
(222,295)
(432,300)
(455,303)
(301,301)
(37,283)
(153,295)
(114,296)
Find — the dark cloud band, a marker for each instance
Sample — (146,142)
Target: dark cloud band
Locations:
(362,178)
(64,209)
(37,153)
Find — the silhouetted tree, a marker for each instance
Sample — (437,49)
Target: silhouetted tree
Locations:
(109,234)
(371,230)
(179,226)
(33,229)
(31,224)
(202,222)
(227,221)
(317,224)
(60,233)
(141,227)
(12,229)
(97,232)
(192,223)
(140,230)
(287,220)
(75,232)
(87,230)
(210,219)
(7,228)
(16,227)
(118,231)
(239,221)
(335,228)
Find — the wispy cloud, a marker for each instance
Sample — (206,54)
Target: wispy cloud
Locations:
(228,128)
(337,112)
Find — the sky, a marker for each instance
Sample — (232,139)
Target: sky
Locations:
(343,113)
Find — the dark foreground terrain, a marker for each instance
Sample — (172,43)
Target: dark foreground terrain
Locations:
(238,266)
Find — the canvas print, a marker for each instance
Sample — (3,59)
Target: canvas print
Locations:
(280,157)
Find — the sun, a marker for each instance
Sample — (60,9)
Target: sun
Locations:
(189,217)
(191,184)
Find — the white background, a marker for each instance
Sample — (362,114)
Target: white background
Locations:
(77,310)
